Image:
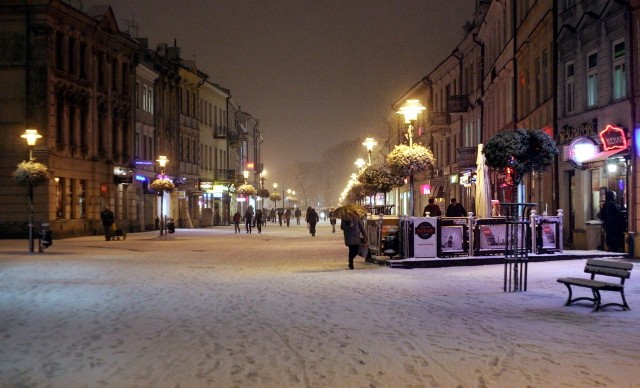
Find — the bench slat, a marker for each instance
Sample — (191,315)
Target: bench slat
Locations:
(610,264)
(615,272)
(591,283)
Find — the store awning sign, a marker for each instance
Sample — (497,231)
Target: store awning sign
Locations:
(580,149)
(613,138)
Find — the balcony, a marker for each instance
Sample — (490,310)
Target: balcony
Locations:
(458,103)
(224,175)
(220,132)
(440,118)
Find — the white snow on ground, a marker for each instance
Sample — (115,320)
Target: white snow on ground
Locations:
(280,309)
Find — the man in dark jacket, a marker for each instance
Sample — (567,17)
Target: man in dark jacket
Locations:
(432,209)
(312,220)
(613,222)
(455,209)
(107,221)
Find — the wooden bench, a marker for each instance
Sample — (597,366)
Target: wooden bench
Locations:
(603,268)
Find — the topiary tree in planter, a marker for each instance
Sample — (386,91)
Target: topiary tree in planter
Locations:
(380,179)
(407,160)
(520,151)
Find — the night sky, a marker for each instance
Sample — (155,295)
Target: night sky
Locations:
(314,72)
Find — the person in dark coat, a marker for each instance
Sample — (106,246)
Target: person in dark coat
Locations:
(236,221)
(297,214)
(354,234)
(332,220)
(432,209)
(259,220)
(108,219)
(611,214)
(312,220)
(455,209)
(248,217)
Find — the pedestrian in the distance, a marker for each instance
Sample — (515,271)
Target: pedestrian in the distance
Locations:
(259,220)
(248,218)
(455,209)
(332,220)
(312,220)
(108,219)
(354,234)
(432,209)
(280,215)
(236,222)
(298,214)
(287,216)
(611,214)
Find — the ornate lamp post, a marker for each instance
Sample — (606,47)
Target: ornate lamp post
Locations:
(262,179)
(369,143)
(275,188)
(162,161)
(31,136)
(410,111)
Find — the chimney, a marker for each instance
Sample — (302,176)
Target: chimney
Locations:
(173,53)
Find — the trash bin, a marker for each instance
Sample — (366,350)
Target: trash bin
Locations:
(171,226)
(594,234)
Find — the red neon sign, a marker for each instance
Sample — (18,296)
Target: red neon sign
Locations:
(613,138)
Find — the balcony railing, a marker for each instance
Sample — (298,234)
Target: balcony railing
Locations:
(458,103)
(440,118)
(220,132)
(224,175)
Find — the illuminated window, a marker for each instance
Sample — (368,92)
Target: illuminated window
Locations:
(592,79)
(569,96)
(619,78)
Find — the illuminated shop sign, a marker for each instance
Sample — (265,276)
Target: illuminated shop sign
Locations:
(580,149)
(425,189)
(613,138)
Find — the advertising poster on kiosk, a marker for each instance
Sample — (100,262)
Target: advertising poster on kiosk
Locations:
(425,238)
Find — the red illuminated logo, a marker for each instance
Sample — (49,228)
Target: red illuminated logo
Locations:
(613,138)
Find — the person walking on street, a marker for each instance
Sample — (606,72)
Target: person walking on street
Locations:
(280,214)
(455,209)
(354,234)
(248,218)
(298,214)
(287,216)
(272,215)
(332,220)
(236,222)
(432,209)
(259,220)
(611,214)
(108,219)
(312,219)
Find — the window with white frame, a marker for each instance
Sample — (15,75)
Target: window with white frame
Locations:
(569,90)
(592,79)
(619,70)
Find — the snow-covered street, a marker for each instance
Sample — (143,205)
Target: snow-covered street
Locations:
(280,309)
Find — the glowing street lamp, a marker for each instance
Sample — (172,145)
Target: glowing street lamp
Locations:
(360,163)
(162,162)
(31,136)
(369,143)
(275,188)
(410,111)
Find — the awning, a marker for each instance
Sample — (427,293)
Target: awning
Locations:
(599,159)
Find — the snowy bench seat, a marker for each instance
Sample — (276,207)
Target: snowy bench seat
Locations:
(600,268)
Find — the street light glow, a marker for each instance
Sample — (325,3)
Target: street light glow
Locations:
(410,110)
(31,135)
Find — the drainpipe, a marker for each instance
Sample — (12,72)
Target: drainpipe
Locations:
(554,76)
(479,101)
(631,198)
